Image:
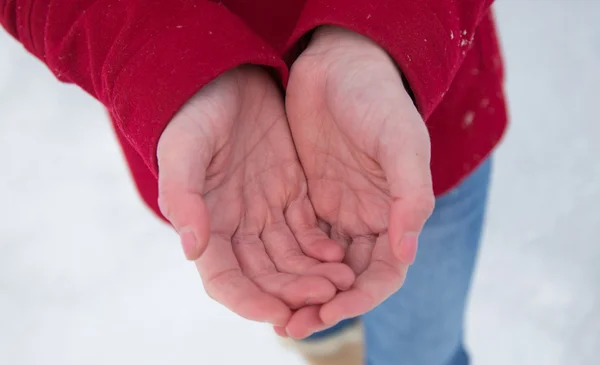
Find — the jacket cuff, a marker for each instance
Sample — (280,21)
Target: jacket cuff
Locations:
(173,65)
(427,39)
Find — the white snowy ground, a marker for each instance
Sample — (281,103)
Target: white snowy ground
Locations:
(88,276)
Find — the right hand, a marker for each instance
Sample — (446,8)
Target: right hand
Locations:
(231,184)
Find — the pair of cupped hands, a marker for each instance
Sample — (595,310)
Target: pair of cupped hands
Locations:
(302,211)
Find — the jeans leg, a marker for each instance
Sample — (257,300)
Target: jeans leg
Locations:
(422,324)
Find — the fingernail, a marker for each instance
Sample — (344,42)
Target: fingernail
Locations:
(188,242)
(406,250)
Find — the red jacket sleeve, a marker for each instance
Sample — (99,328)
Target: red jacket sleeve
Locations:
(143,59)
(428,39)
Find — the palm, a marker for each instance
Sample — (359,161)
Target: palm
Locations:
(232,151)
(338,149)
(353,124)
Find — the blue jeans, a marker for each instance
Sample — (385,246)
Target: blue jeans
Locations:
(422,323)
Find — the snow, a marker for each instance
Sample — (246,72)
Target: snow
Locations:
(88,276)
(468,119)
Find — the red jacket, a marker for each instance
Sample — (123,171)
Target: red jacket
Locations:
(143,59)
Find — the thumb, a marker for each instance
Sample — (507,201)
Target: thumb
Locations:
(405,157)
(183,157)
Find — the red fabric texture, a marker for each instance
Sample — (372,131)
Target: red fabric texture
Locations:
(143,59)
(449,53)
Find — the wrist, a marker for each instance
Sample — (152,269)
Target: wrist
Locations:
(332,36)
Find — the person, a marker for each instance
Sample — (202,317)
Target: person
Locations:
(299,148)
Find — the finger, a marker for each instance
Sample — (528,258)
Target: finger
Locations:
(280,331)
(407,218)
(295,290)
(359,253)
(342,239)
(406,165)
(304,323)
(383,277)
(406,233)
(312,238)
(324,226)
(225,282)
(341,275)
(182,165)
(190,218)
(282,247)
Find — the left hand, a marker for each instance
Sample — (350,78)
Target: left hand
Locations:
(365,151)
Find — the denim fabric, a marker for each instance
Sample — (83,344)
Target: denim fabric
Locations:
(422,324)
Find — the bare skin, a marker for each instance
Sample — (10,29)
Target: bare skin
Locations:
(365,152)
(245,196)
(231,184)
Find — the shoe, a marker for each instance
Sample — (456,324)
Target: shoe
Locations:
(343,348)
